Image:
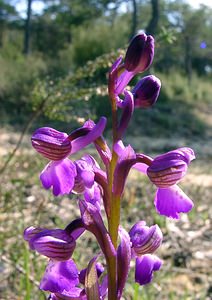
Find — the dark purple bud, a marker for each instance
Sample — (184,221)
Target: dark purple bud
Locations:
(140,53)
(144,268)
(51,143)
(145,239)
(56,244)
(146,91)
(168,169)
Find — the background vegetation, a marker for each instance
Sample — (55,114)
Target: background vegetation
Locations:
(53,72)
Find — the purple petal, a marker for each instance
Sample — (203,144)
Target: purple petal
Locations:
(56,244)
(104,287)
(122,81)
(123,258)
(145,265)
(145,239)
(127,113)
(172,201)
(60,277)
(124,164)
(116,64)
(90,137)
(75,228)
(51,143)
(60,175)
(74,294)
(93,222)
(140,53)
(146,91)
(141,167)
(168,169)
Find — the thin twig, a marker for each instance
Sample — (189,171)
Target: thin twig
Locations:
(24,131)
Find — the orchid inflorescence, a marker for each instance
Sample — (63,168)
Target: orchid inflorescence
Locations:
(100,191)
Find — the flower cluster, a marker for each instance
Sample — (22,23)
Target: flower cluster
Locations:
(100,190)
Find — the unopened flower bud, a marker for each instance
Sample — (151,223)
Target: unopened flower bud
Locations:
(145,239)
(56,244)
(140,53)
(168,169)
(146,91)
(51,143)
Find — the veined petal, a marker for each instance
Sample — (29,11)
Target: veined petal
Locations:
(56,244)
(144,239)
(60,277)
(94,132)
(172,201)
(51,143)
(60,175)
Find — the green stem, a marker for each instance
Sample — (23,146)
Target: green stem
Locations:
(114,209)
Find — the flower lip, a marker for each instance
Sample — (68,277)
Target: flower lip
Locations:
(145,266)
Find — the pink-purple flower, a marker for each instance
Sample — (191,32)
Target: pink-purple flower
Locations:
(100,188)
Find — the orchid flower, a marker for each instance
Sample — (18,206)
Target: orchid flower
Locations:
(57,146)
(100,188)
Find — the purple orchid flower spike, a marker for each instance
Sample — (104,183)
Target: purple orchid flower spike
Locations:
(105,185)
(144,239)
(146,91)
(61,172)
(144,268)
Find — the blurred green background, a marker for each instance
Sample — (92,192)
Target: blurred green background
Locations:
(54,61)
